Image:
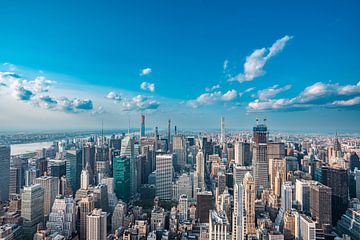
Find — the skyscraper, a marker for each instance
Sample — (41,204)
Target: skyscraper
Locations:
(222,130)
(320,203)
(169,135)
(127,149)
(84,179)
(4,172)
(260,159)
(142,126)
(96,225)
(73,168)
(302,195)
(164,172)
(62,218)
(121,174)
(249,201)
(242,153)
(204,205)
(51,188)
(32,209)
(337,180)
(88,157)
(238,219)
(86,205)
(179,149)
(200,170)
(218,225)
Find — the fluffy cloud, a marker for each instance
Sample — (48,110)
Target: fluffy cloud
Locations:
(327,95)
(271,92)
(113,96)
(147,86)
(246,91)
(217,86)
(212,97)
(140,103)
(36,92)
(229,95)
(145,71)
(255,62)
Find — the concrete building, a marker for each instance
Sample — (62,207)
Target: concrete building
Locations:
(249,201)
(96,225)
(4,172)
(51,189)
(164,174)
(218,226)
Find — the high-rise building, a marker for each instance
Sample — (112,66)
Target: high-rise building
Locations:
(242,153)
(4,172)
(249,201)
(183,208)
(127,149)
(57,168)
(84,179)
(337,180)
(238,219)
(357,179)
(286,202)
(200,170)
(179,149)
(164,173)
(15,180)
(302,195)
(142,126)
(305,227)
(32,209)
(51,189)
(96,225)
(183,185)
(169,136)
(121,174)
(204,205)
(277,174)
(289,224)
(275,150)
(62,218)
(86,205)
(218,225)
(320,203)
(118,215)
(88,157)
(260,158)
(222,130)
(73,168)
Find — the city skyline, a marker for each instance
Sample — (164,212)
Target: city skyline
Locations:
(74,66)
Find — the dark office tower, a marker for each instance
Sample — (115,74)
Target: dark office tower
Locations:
(41,164)
(354,161)
(275,150)
(337,180)
(142,126)
(4,172)
(260,159)
(204,205)
(57,168)
(14,180)
(121,174)
(320,203)
(73,168)
(169,135)
(89,157)
(115,143)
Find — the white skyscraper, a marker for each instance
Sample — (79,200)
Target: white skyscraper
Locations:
(222,134)
(4,172)
(62,218)
(302,194)
(84,179)
(164,173)
(238,213)
(218,226)
(96,225)
(200,170)
(51,189)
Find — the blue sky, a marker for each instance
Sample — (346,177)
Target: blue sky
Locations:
(80,62)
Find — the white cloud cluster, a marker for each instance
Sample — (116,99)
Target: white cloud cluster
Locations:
(271,92)
(327,95)
(140,103)
(246,91)
(113,96)
(147,86)
(217,86)
(36,92)
(145,71)
(254,64)
(210,98)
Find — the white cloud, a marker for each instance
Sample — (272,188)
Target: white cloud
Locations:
(140,103)
(113,96)
(319,94)
(147,86)
(254,64)
(226,65)
(246,91)
(229,95)
(271,92)
(217,86)
(211,98)
(145,71)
